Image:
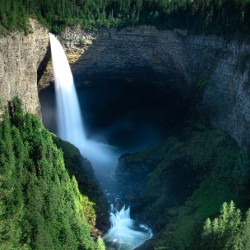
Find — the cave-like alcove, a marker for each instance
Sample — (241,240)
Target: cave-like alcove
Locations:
(133,91)
(131,114)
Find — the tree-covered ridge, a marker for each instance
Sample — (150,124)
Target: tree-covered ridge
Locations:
(227,231)
(81,168)
(40,206)
(227,16)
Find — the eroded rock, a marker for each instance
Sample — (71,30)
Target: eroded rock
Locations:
(20,57)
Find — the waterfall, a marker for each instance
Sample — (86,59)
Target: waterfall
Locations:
(124,233)
(69,119)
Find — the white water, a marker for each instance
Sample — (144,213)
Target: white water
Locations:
(124,233)
(69,119)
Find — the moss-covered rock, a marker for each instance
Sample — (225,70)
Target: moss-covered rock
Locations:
(178,183)
(81,168)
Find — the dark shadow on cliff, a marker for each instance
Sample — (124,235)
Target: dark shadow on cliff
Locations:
(127,115)
(43,65)
(126,57)
(130,115)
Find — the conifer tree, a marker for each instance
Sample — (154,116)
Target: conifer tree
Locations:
(100,244)
(38,201)
(224,231)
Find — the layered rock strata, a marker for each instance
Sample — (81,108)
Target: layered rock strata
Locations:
(171,59)
(166,59)
(20,57)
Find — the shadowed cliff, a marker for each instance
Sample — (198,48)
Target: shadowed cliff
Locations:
(171,60)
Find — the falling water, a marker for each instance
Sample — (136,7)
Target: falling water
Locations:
(125,233)
(69,119)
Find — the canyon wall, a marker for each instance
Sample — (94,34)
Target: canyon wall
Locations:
(170,59)
(21,58)
(166,59)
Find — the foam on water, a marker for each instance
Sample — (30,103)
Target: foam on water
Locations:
(125,233)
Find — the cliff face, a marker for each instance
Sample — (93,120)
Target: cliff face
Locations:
(171,59)
(21,57)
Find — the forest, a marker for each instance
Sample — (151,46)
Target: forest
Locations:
(228,17)
(195,191)
(34,183)
(33,174)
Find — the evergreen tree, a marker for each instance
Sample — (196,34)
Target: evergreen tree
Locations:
(100,244)
(40,207)
(225,231)
(246,231)
(211,16)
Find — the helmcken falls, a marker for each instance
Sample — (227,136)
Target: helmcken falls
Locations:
(125,233)
(69,119)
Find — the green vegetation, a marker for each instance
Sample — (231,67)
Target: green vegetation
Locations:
(100,244)
(225,231)
(41,207)
(184,180)
(213,16)
(81,168)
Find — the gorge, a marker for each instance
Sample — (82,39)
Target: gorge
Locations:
(105,88)
(123,234)
(164,57)
(161,91)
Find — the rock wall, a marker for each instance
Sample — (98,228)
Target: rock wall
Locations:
(21,57)
(172,59)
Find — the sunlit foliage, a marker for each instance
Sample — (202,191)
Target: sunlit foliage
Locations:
(40,206)
(227,16)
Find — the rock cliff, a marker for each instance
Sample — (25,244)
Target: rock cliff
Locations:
(167,59)
(171,59)
(21,59)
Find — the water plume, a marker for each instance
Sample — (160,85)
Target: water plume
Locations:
(125,233)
